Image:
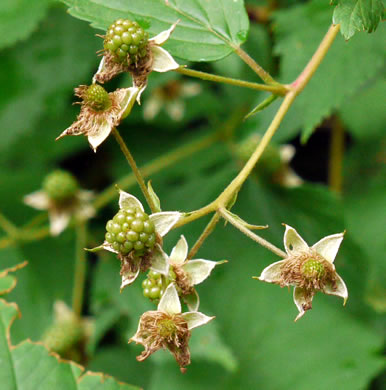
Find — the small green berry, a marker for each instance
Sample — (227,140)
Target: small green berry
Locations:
(60,186)
(148,226)
(146,292)
(120,218)
(137,225)
(127,41)
(154,274)
(139,245)
(121,237)
(126,232)
(97,98)
(143,237)
(132,236)
(110,237)
(116,228)
(150,241)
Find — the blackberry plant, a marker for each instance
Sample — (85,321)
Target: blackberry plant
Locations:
(197,31)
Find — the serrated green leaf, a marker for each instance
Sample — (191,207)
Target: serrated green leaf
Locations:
(18,19)
(365,173)
(8,282)
(364,113)
(20,371)
(207,31)
(358,15)
(345,69)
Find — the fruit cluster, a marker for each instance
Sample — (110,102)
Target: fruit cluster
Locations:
(60,337)
(131,230)
(127,41)
(60,186)
(155,284)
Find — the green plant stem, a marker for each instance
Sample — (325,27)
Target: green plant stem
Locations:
(26,234)
(263,74)
(80,268)
(204,235)
(238,181)
(222,200)
(277,89)
(135,169)
(266,244)
(158,164)
(296,88)
(8,226)
(299,84)
(335,178)
(42,217)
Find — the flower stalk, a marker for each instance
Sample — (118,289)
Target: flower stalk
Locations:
(204,235)
(253,236)
(136,171)
(277,89)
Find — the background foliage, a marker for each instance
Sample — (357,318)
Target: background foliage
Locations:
(253,342)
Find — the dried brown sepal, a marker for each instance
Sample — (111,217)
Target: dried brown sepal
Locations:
(131,263)
(111,68)
(140,71)
(183,281)
(160,330)
(89,121)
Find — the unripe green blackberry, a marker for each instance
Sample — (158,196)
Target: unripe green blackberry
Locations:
(131,230)
(270,161)
(60,186)
(97,98)
(155,284)
(313,269)
(127,41)
(61,336)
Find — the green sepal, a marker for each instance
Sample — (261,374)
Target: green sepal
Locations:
(154,197)
(261,106)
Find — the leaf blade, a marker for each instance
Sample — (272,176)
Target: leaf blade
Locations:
(207,31)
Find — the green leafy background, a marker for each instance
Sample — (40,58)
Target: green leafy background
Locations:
(253,343)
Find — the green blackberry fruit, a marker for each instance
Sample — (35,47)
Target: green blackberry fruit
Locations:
(131,230)
(270,161)
(155,284)
(60,186)
(127,41)
(97,98)
(60,337)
